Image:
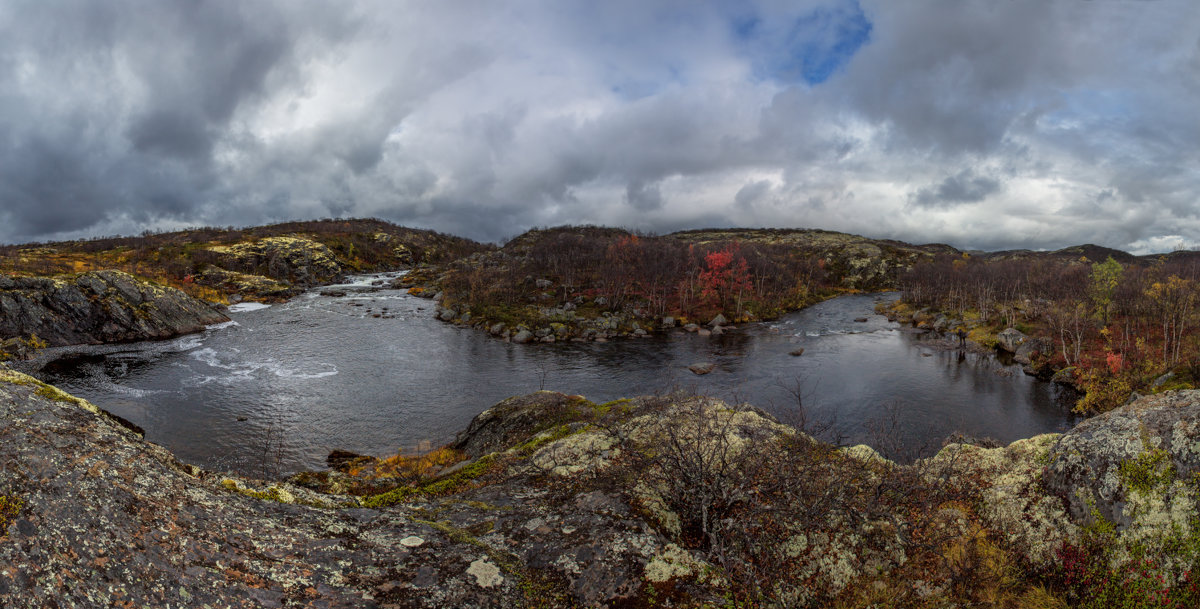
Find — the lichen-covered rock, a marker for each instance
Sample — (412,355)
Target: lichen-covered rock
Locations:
(518,419)
(98,307)
(246,284)
(297,260)
(1014,499)
(1011,339)
(108,520)
(1141,449)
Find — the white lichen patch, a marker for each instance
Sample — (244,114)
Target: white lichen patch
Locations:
(651,500)
(584,452)
(412,541)
(486,574)
(1015,503)
(864,453)
(672,562)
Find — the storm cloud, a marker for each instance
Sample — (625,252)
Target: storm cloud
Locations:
(981,124)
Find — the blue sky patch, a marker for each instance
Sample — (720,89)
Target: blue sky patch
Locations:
(810,49)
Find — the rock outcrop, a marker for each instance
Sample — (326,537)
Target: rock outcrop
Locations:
(106,520)
(299,261)
(98,307)
(563,503)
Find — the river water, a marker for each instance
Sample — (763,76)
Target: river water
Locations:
(276,389)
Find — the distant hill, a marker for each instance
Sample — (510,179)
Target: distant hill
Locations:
(264,262)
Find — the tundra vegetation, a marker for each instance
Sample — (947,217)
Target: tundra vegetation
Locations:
(263,263)
(577,274)
(1111,324)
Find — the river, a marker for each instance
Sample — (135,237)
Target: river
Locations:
(273,391)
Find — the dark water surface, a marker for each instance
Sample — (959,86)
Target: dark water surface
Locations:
(281,386)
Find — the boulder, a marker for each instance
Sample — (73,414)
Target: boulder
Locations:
(1029,348)
(522,336)
(796,352)
(691,327)
(702,368)
(344,460)
(668,322)
(719,320)
(1133,466)
(1010,339)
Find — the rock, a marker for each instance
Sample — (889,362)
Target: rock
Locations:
(691,327)
(719,320)
(1010,339)
(1162,380)
(496,329)
(717,331)
(143,530)
(1029,348)
(513,421)
(862,320)
(98,307)
(1132,465)
(704,332)
(333,293)
(344,460)
(796,352)
(543,283)
(702,368)
(522,336)
(296,260)
(445,314)
(1066,376)
(668,322)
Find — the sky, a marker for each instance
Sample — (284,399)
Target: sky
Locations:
(985,124)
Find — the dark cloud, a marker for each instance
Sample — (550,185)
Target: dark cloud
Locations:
(1075,119)
(643,196)
(962,187)
(749,194)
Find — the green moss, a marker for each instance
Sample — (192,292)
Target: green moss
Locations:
(51,392)
(9,508)
(1147,471)
(438,486)
(622,406)
(543,439)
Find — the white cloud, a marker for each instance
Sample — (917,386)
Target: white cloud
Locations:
(982,124)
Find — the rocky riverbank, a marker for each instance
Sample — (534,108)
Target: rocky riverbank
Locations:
(561,502)
(96,307)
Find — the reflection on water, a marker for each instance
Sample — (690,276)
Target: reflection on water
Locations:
(373,372)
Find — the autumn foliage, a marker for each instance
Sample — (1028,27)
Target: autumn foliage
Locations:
(1118,327)
(644,276)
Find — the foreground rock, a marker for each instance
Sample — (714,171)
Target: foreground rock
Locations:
(98,307)
(563,502)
